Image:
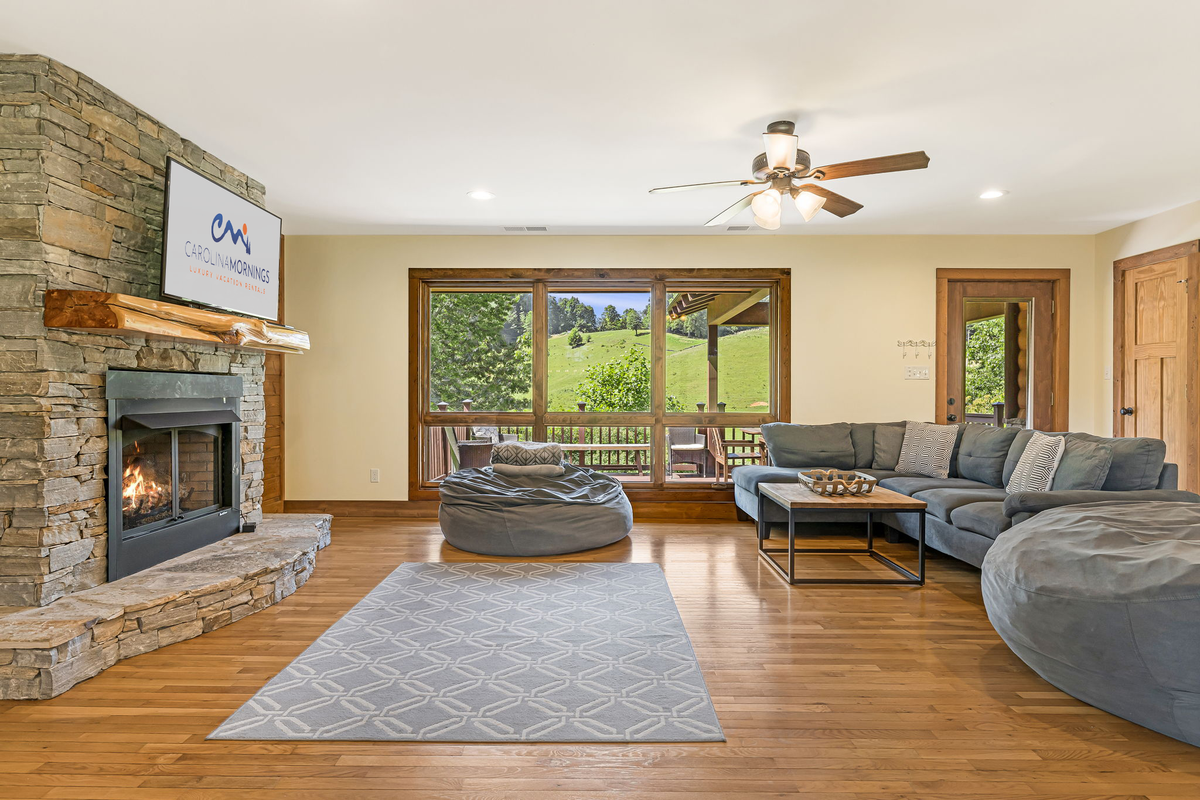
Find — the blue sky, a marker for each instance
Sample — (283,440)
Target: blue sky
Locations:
(598,300)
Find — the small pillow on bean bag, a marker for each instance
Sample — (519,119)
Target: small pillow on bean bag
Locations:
(529,470)
(523,454)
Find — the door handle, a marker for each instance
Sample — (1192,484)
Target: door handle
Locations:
(952,418)
(1127,411)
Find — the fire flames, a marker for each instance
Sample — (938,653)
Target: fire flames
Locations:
(141,493)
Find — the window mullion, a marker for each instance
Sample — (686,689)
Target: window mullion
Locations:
(541,344)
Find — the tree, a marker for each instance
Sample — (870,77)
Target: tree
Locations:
(622,384)
(476,351)
(575,338)
(985,365)
(586,317)
(610,319)
(633,320)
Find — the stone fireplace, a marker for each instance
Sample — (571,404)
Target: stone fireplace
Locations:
(81,208)
(175,438)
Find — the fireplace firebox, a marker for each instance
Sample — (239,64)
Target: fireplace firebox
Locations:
(174,455)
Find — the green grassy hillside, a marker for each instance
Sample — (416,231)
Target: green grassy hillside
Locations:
(743,366)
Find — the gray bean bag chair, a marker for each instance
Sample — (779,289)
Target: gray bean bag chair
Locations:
(495,515)
(1103,601)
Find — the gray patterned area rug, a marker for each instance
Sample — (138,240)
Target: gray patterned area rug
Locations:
(495,653)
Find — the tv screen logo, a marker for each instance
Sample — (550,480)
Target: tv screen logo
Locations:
(236,236)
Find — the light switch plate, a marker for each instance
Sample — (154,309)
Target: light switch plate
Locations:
(374,476)
(916,373)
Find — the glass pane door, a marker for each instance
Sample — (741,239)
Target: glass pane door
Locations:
(146,480)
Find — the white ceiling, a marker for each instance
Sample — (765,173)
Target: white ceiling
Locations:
(377,116)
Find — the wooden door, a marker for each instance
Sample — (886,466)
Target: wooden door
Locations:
(1044,396)
(1154,387)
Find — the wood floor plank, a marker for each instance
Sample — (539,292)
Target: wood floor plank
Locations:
(830,692)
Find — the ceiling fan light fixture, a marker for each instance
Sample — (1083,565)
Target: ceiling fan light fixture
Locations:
(808,203)
(781,150)
(771,224)
(767,204)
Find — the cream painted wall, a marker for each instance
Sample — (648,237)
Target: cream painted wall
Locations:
(347,400)
(1161,230)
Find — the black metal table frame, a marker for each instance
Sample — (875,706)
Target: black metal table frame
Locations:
(789,575)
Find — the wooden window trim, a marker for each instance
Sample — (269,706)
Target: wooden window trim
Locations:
(543,282)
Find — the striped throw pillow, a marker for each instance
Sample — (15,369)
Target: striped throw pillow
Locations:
(1035,470)
(927,448)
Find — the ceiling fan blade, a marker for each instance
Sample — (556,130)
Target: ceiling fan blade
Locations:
(687,186)
(872,166)
(834,203)
(732,211)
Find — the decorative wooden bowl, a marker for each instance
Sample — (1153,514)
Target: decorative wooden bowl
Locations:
(834,482)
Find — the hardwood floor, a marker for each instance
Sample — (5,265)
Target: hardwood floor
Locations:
(886,693)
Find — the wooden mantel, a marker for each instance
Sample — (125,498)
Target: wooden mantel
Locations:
(123,313)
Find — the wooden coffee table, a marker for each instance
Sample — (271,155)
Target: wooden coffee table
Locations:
(794,496)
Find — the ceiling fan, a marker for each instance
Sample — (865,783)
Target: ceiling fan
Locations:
(786,169)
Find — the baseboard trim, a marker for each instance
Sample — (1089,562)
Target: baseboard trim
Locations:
(404,509)
(643,510)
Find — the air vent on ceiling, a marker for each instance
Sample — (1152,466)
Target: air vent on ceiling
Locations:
(738,228)
(527,229)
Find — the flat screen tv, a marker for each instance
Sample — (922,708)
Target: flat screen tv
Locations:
(219,250)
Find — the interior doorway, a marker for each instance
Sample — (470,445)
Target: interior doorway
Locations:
(1002,344)
(1156,352)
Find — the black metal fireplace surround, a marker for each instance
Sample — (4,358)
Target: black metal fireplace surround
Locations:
(174,465)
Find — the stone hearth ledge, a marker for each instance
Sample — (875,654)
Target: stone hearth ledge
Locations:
(45,651)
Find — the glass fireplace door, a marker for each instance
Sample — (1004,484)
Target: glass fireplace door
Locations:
(169,475)
(148,479)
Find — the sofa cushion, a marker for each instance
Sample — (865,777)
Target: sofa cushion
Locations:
(1136,461)
(862,437)
(911,484)
(749,476)
(880,474)
(887,441)
(986,518)
(1084,465)
(982,453)
(942,502)
(793,445)
(927,448)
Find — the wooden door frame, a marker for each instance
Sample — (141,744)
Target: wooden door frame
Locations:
(1191,251)
(1060,280)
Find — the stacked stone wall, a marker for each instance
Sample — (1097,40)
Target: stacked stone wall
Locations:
(82,176)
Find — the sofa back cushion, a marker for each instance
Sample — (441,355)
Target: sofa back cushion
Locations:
(862,434)
(983,451)
(1084,465)
(888,441)
(793,445)
(1137,461)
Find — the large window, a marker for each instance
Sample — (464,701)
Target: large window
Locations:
(660,378)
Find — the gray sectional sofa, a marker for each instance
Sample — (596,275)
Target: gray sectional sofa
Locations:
(970,509)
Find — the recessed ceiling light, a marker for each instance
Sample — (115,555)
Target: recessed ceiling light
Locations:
(992,194)
(480,194)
